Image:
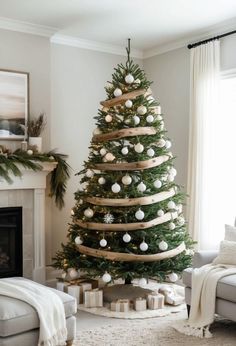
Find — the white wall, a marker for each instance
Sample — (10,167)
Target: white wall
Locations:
(170,75)
(30,53)
(78,78)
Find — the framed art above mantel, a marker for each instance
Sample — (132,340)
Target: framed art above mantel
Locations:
(14,104)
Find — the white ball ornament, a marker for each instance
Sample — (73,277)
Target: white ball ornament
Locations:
(170,178)
(128,104)
(97,131)
(173,277)
(159,117)
(78,240)
(139,148)
(129,79)
(161,143)
(157,184)
(72,213)
(150,118)
(143,246)
(160,212)
(115,188)
(109,157)
(181,221)
(124,150)
(163,246)
(73,273)
(103,151)
(136,120)
(150,152)
(103,242)
(141,187)
(108,118)
(88,212)
(139,214)
(126,238)
(126,180)
(106,277)
(137,81)
(171,205)
(117,92)
(173,171)
(89,173)
(101,181)
(142,110)
(168,144)
(142,282)
(30,152)
(171,226)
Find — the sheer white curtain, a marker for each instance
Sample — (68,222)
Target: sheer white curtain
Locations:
(203,203)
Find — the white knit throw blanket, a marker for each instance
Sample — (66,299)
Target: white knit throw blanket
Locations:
(50,309)
(203,297)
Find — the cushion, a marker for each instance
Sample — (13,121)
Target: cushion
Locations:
(17,316)
(227,253)
(230,233)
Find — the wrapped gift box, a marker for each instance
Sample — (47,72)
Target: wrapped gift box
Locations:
(78,281)
(93,298)
(74,290)
(84,286)
(140,304)
(155,301)
(120,305)
(62,286)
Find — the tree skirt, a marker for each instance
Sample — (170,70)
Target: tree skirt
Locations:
(132,314)
(154,332)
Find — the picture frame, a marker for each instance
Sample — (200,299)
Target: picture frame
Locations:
(14,104)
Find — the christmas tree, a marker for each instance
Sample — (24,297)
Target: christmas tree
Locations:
(127,221)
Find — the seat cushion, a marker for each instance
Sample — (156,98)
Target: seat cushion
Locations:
(17,316)
(226,288)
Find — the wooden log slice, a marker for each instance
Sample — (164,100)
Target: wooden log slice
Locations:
(127,257)
(131,132)
(124,227)
(122,98)
(122,202)
(130,166)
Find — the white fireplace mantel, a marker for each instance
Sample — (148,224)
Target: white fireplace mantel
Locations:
(36,181)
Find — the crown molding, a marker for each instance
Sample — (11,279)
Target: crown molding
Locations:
(94,45)
(25,27)
(213,31)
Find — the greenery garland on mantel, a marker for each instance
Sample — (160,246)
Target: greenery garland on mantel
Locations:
(10,161)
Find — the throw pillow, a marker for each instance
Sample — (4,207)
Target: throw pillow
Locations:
(230,233)
(227,253)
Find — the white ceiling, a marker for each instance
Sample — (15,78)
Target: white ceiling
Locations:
(149,23)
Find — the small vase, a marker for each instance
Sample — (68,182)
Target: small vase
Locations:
(36,142)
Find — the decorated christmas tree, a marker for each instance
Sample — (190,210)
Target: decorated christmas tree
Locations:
(127,221)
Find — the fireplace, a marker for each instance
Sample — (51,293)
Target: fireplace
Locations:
(11,257)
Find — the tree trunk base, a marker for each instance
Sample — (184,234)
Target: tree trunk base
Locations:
(124,291)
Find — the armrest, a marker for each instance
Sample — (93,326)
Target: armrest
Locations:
(201,258)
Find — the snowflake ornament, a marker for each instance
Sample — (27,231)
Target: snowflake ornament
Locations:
(108,218)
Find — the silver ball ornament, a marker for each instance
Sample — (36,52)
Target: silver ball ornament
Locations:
(161,143)
(78,240)
(173,277)
(73,273)
(168,144)
(136,120)
(124,150)
(150,118)
(143,246)
(115,188)
(129,79)
(88,212)
(141,187)
(117,92)
(139,148)
(139,214)
(160,212)
(89,173)
(163,246)
(108,118)
(142,110)
(126,238)
(128,104)
(126,180)
(150,152)
(101,181)
(103,242)
(106,277)
(171,205)
(157,184)
(171,226)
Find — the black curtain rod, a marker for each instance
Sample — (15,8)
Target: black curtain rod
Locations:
(193,45)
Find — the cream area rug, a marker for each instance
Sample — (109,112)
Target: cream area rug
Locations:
(154,332)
